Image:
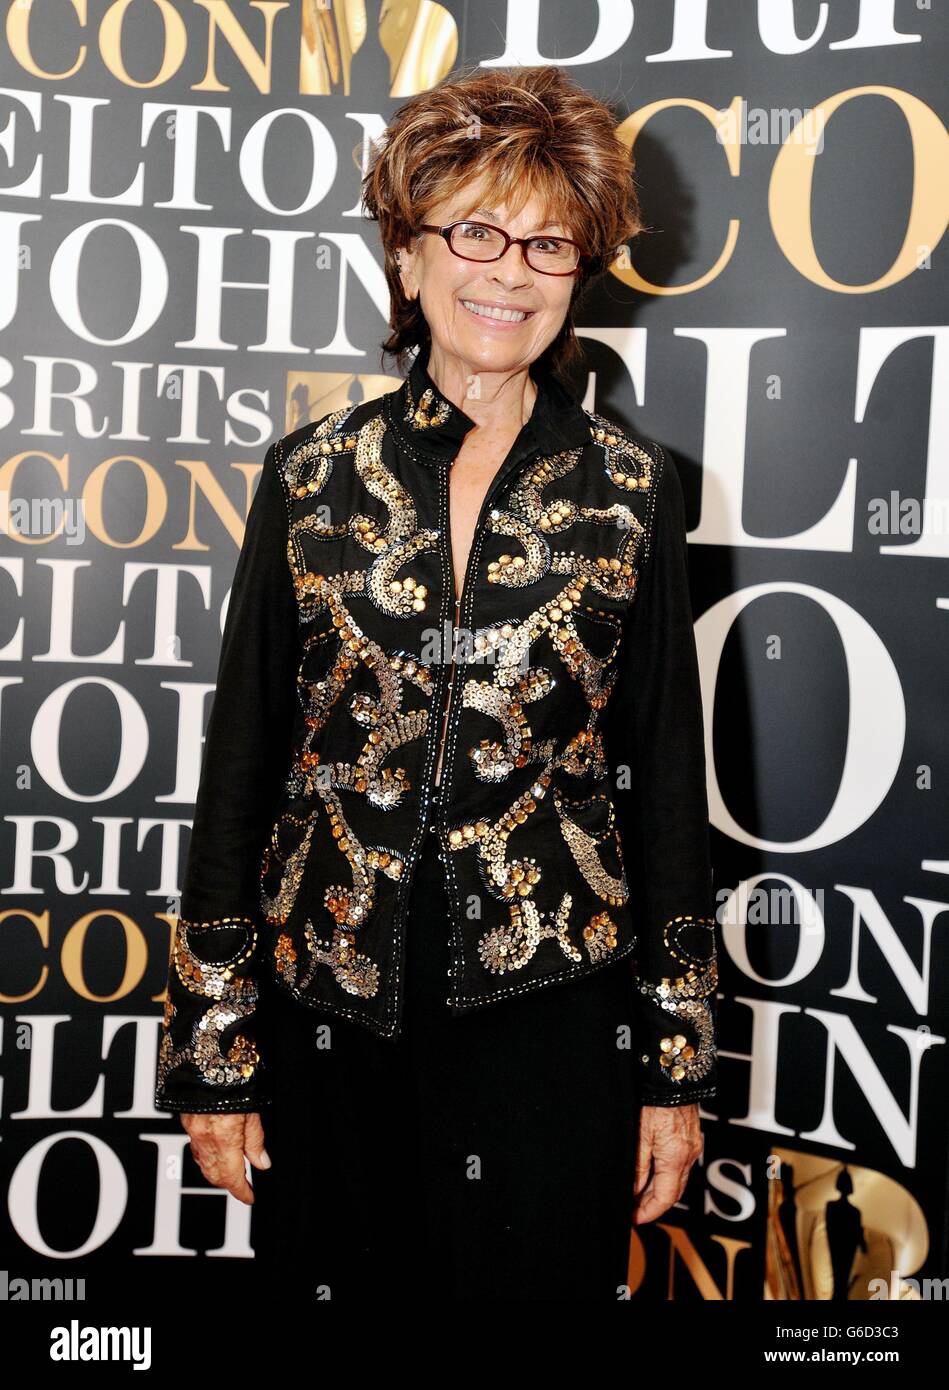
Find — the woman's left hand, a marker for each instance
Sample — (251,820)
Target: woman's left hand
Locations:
(670,1140)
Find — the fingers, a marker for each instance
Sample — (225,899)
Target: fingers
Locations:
(217,1143)
(670,1141)
(643,1162)
(665,1189)
(254,1142)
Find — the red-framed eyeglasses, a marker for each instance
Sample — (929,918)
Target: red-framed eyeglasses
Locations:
(479,241)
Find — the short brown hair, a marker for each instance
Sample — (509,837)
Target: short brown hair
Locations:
(528,130)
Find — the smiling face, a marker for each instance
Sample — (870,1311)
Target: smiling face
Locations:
(487,316)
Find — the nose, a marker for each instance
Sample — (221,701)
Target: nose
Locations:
(512,269)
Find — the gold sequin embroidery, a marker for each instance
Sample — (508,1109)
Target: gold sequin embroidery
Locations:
(391,541)
(583,846)
(428,412)
(687,997)
(231,995)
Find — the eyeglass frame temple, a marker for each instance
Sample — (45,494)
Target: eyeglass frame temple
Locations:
(446,232)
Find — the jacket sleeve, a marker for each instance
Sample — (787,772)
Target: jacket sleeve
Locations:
(655,743)
(208,1057)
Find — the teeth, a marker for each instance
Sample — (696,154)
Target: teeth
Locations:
(489,312)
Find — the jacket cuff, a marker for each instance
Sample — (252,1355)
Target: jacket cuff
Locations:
(208,1058)
(678,1017)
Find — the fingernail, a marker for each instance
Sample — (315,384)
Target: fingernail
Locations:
(265,1158)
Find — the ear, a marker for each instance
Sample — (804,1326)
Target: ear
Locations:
(405,259)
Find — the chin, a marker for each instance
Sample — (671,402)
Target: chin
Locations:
(498,357)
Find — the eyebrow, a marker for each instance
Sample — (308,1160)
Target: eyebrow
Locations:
(490,212)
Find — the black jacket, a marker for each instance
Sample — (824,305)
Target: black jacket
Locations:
(573,816)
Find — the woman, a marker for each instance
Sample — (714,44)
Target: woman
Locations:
(455,769)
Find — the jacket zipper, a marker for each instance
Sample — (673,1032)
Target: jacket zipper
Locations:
(432,791)
(491,496)
(437,792)
(446,701)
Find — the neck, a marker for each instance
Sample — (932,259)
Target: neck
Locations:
(504,400)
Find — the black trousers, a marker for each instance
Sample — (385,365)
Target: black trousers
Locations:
(488,1155)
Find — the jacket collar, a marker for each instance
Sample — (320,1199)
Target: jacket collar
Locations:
(433,427)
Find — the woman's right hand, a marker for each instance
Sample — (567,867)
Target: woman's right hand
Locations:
(219,1143)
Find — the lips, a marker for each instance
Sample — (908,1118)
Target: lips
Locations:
(496,313)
